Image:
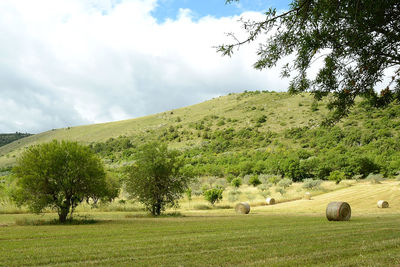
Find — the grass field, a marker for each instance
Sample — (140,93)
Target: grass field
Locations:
(207,240)
(287,234)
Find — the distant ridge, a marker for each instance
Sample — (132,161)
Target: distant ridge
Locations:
(6,138)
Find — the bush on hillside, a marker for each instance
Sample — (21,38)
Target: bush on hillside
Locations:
(237,182)
(311,184)
(254,180)
(285,183)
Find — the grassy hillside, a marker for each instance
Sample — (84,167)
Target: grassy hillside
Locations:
(283,111)
(250,133)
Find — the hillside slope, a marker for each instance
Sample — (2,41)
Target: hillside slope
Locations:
(251,133)
(282,111)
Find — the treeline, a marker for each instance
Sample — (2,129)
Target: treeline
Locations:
(11,137)
(366,142)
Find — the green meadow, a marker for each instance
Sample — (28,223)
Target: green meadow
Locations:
(291,233)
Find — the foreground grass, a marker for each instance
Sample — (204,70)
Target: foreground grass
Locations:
(205,239)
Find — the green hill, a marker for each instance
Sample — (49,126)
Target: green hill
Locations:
(7,138)
(251,133)
(235,110)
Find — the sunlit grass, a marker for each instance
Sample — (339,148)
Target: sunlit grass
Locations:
(205,239)
(286,234)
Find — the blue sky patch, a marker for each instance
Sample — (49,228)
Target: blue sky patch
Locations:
(216,8)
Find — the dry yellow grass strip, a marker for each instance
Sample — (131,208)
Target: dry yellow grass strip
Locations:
(362,198)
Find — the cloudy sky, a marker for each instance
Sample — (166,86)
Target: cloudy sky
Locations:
(73,62)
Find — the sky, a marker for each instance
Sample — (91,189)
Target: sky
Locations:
(75,62)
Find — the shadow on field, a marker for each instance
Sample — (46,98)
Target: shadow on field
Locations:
(78,220)
(148,215)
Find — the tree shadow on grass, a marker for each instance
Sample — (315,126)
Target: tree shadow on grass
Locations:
(163,215)
(78,220)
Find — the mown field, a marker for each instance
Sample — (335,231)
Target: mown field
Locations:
(287,234)
(207,240)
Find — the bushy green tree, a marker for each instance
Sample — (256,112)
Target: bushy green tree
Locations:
(60,175)
(358,41)
(254,180)
(213,195)
(337,176)
(155,179)
(237,182)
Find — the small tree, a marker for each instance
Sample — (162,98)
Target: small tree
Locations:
(155,179)
(254,180)
(237,182)
(213,195)
(60,175)
(337,176)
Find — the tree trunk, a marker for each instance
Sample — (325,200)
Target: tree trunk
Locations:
(63,213)
(156,208)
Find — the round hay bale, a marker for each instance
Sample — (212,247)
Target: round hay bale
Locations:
(338,211)
(383,204)
(242,208)
(307,196)
(270,201)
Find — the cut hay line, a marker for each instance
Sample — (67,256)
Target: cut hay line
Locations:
(383,204)
(242,208)
(270,201)
(338,211)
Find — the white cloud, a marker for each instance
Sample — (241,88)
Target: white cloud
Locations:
(71,62)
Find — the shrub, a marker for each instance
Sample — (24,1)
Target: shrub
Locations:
(264,190)
(274,179)
(285,183)
(310,183)
(234,195)
(280,190)
(337,176)
(262,119)
(229,178)
(213,195)
(314,106)
(375,178)
(237,182)
(254,181)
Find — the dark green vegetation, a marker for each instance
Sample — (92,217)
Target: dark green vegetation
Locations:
(60,176)
(357,41)
(155,178)
(261,240)
(9,138)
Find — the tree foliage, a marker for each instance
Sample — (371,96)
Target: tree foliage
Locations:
(356,40)
(213,195)
(60,175)
(155,179)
